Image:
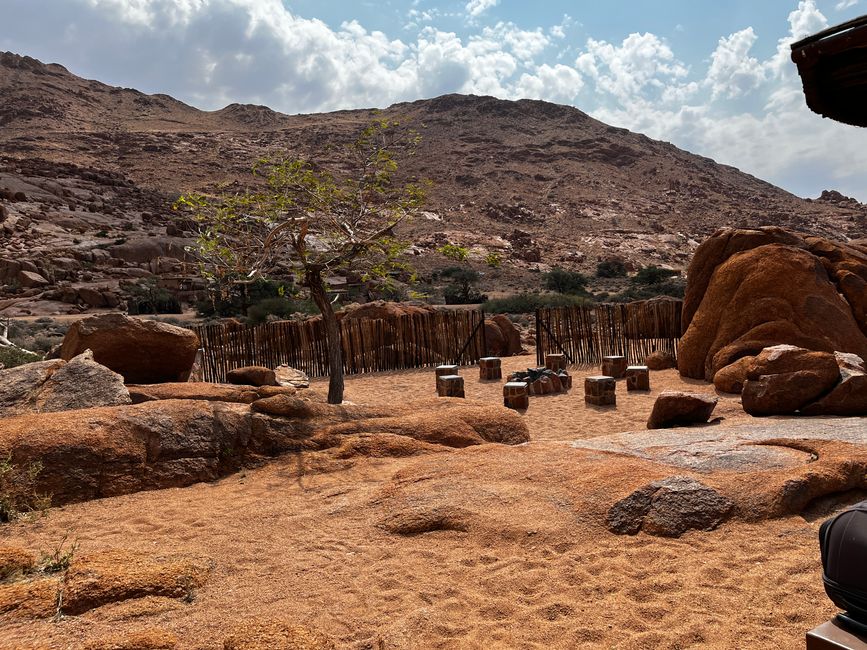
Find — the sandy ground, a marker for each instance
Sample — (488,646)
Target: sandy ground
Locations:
(550,417)
(535,569)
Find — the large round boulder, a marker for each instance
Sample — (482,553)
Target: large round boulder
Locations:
(745,294)
(142,351)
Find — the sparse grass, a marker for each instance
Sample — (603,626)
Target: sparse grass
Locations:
(59,558)
(18,493)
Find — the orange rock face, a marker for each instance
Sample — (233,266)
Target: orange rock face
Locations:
(783,379)
(745,294)
(144,352)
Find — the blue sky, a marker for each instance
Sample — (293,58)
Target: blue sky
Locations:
(712,77)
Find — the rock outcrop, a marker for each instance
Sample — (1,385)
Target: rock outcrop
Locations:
(676,408)
(204,391)
(102,452)
(252,376)
(143,351)
(502,337)
(51,386)
(786,380)
(751,289)
(103,578)
(783,379)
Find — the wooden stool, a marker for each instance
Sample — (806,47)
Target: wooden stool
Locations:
(450,386)
(444,370)
(555,362)
(637,378)
(614,366)
(516,395)
(832,636)
(490,368)
(599,390)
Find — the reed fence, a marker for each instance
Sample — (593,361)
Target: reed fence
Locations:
(409,341)
(586,333)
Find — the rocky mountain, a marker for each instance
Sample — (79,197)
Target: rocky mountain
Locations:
(88,173)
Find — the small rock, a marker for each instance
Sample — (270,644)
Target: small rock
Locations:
(731,379)
(252,376)
(669,508)
(31,279)
(660,361)
(676,408)
(288,376)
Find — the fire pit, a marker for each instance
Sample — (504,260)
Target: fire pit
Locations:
(542,381)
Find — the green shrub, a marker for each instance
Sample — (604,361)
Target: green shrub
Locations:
(527,303)
(563,281)
(611,269)
(454,252)
(243,298)
(147,298)
(494,260)
(12,357)
(674,288)
(652,275)
(281,308)
(462,290)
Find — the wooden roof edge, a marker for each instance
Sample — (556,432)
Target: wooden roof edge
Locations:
(831,31)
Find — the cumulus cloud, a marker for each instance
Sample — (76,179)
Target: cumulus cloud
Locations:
(478,7)
(642,63)
(733,71)
(558,83)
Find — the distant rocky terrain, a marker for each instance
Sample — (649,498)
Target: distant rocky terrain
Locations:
(88,173)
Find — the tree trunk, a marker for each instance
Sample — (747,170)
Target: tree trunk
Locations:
(332,335)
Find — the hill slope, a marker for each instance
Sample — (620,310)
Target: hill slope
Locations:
(542,184)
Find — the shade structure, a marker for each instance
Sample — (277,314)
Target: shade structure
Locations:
(833,69)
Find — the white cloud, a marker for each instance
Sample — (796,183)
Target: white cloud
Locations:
(478,7)
(559,31)
(642,63)
(733,71)
(558,83)
(845,4)
(524,44)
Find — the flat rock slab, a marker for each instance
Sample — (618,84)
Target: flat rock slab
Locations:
(711,449)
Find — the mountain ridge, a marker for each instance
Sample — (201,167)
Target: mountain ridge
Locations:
(540,184)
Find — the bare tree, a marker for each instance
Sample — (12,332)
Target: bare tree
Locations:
(320,222)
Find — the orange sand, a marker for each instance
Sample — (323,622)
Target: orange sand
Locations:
(535,569)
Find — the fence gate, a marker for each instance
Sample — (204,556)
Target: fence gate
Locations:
(586,333)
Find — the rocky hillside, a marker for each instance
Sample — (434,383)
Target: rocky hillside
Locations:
(88,172)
